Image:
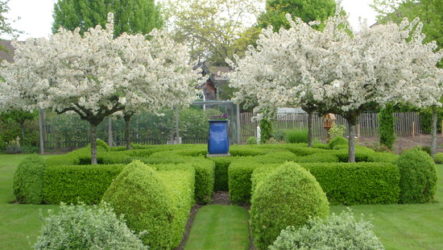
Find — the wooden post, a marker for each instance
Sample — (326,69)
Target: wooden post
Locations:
(413,129)
(442,127)
(41,120)
(358,130)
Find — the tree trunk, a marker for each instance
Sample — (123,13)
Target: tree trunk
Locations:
(110,137)
(310,134)
(434,132)
(351,141)
(93,143)
(127,119)
(41,131)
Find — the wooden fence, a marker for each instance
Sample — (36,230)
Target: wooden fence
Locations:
(406,124)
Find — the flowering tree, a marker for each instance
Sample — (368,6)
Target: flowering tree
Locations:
(95,75)
(333,70)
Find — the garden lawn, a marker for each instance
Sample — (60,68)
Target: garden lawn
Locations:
(409,226)
(19,224)
(219,227)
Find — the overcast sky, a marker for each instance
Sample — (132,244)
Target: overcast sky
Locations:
(34,17)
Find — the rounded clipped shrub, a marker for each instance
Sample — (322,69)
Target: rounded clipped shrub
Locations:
(289,196)
(338,232)
(139,194)
(28,180)
(438,158)
(418,177)
(337,141)
(87,227)
(103,145)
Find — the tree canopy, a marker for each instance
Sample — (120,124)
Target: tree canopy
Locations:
(130,16)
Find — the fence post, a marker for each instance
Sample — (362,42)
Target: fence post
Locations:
(237,106)
(413,129)
(41,127)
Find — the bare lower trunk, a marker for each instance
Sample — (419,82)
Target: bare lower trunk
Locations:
(93,144)
(110,137)
(310,134)
(434,132)
(127,132)
(351,142)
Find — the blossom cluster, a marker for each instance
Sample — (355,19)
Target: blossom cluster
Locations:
(95,73)
(336,70)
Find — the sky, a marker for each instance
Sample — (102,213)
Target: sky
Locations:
(34,17)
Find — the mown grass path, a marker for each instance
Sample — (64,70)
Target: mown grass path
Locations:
(219,227)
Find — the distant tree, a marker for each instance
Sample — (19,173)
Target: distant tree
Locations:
(5,24)
(211,27)
(130,16)
(313,10)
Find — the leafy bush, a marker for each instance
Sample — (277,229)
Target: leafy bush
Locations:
(438,158)
(386,128)
(28,180)
(336,131)
(239,174)
(103,145)
(287,197)
(251,140)
(265,130)
(296,136)
(156,201)
(418,177)
(426,149)
(340,232)
(336,141)
(279,135)
(74,183)
(86,227)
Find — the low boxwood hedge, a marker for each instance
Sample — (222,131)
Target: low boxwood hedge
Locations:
(158,202)
(75,183)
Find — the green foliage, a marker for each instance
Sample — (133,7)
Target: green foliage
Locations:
(426,121)
(289,196)
(28,180)
(158,202)
(86,227)
(265,130)
(341,231)
(357,183)
(251,140)
(239,174)
(336,131)
(418,177)
(18,132)
(74,183)
(438,158)
(103,145)
(135,16)
(221,173)
(336,141)
(386,128)
(306,10)
(296,136)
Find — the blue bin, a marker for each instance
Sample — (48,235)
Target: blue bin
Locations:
(218,141)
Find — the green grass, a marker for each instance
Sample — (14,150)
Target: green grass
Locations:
(219,227)
(19,224)
(408,226)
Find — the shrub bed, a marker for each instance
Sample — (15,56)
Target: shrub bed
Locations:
(154,201)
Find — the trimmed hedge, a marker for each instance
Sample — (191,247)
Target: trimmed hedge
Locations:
(336,141)
(289,196)
(438,158)
(357,183)
(28,180)
(154,201)
(74,183)
(221,173)
(418,180)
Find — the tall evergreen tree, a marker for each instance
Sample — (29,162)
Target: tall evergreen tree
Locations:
(130,16)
